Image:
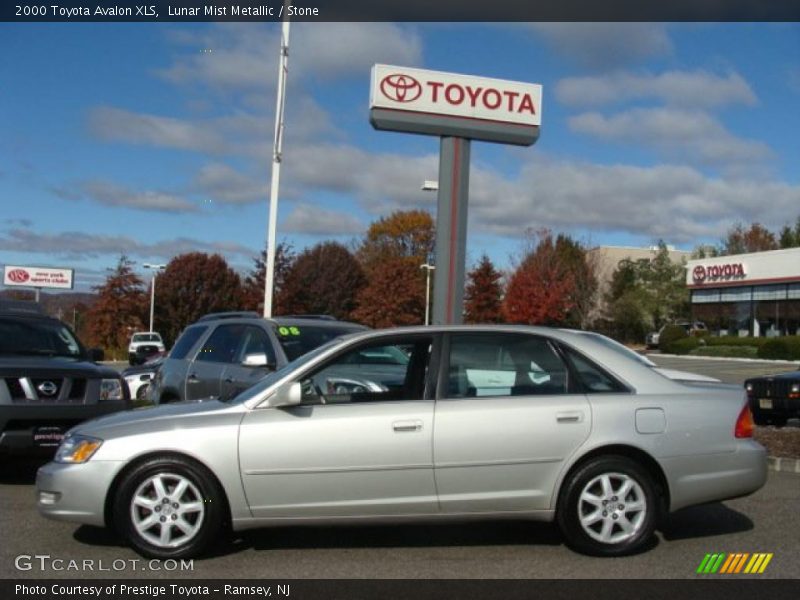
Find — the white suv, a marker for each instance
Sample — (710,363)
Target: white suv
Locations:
(144,344)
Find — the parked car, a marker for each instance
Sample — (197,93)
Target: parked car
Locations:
(144,345)
(692,328)
(223,354)
(585,436)
(139,377)
(48,381)
(774,399)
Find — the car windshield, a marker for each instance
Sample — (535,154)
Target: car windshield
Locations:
(38,337)
(297,340)
(275,376)
(619,348)
(146,337)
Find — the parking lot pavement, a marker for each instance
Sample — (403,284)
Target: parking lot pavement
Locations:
(729,371)
(764,522)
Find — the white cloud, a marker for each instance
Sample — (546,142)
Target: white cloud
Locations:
(114,124)
(76,245)
(683,134)
(316,220)
(110,194)
(244,56)
(225,184)
(606,45)
(678,88)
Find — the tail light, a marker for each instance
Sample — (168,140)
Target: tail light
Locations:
(744,424)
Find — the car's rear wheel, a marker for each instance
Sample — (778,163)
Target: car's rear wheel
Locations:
(168,508)
(608,507)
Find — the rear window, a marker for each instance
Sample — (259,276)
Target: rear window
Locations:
(187,341)
(296,340)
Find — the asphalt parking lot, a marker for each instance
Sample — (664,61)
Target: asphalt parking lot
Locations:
(767,521)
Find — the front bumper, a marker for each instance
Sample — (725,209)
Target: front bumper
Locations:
(779,406)
(18,422)
(75,492)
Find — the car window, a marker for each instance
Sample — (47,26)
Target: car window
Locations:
(186,341)
(499,365)
(222,345)
(255,341)
(348,379)
(594,379)
(296,340)
(37,337)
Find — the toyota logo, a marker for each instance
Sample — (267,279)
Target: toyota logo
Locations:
(48,388)
(699,273)
(18,275)
(401,88)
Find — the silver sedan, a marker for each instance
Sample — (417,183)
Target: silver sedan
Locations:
(418,423)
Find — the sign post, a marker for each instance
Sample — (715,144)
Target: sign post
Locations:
(458,108)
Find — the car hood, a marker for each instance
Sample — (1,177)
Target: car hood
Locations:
(175,415)
(685,375)
(53,366)
(790,376)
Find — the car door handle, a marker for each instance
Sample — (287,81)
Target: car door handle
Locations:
(569,417)
(407,425)
(229,380)
(192,379)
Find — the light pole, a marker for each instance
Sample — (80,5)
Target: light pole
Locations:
(428,268)
(156,269)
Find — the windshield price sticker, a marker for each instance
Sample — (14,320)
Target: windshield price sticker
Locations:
(287,331)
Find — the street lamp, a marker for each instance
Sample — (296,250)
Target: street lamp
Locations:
(430,186)
(156,269)
(428,268)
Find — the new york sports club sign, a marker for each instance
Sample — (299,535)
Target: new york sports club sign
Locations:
(454,95)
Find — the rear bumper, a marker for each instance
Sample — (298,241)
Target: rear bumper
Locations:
(75,493)
(712,478)
(18,422)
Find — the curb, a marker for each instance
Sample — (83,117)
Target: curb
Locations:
(731,359)
(783,465)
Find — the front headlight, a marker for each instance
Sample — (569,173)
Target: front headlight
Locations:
(77,449)
(111,389)
(796,388)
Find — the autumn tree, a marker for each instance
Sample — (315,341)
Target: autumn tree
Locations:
(483,294)
(409,233)
(741,240)
(192,285)
(119,309)
(541,289)
(253,286)
(583,270)
(324,279)
(394,294)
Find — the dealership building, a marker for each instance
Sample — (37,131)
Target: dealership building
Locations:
(747,294)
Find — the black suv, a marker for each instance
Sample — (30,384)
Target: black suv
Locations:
(48,381)
(223,354)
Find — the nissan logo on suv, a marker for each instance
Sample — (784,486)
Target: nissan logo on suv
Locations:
(48,388)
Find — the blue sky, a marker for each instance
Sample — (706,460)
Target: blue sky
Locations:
(155,139)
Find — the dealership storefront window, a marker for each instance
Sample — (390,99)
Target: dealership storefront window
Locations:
(747,295)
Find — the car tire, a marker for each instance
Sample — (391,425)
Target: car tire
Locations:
(608,507)
(158,519)
(141,393)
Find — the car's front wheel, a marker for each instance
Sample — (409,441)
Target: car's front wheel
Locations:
(168,507)
(608,507)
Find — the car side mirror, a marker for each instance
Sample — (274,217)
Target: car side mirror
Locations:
(96,354)
(289,394)
(258,360)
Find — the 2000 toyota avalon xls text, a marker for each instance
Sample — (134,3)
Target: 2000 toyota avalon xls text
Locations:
(418,423)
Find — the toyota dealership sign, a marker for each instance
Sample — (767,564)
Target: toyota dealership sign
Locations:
(422,101)
(38,277)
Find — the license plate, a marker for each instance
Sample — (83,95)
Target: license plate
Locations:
(50,436)
(765,403)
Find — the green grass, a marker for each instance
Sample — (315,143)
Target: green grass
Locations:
(726,351)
